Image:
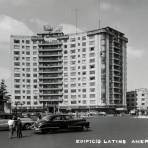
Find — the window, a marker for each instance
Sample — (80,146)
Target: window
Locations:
(72,39)
(73,45)
(73,73)
(83,67)
(92,83)
(92,89)
(66,91)
(65,46)
(17,91)
(92,48)
(92,72)
(92,60)
(73,56)
(27,52)
(92,95)
(17,75)
(83,37)
(91,42)
(92,66)
(34,47)
(16,46)
(34,58)
(84,101)
(28,97)
(28,102)
(73,102)
(83,55)
(73,96)
(65,96)
(84,96)
(16,41)
(83,90)
(92,78)
(83,43)
(73,51)
(84,50)
(34,75)
(91,54)
(34,52)
(27,58)
(65,51)
(17,97)
(27,47)
(92,101)
(16,52)
(27,41)
(73,90)
(16,63)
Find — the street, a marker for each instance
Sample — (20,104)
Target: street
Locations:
(106,132)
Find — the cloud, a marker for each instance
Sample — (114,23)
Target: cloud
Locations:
(38,22)
(14,2)
(4,73)
(134,53)
(105,6)
(9,26)
(68,28)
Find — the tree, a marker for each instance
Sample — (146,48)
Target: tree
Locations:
(4,97)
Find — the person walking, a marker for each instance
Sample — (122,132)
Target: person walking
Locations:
(11,124)
(19,128)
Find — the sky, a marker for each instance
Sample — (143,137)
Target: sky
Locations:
(27,17)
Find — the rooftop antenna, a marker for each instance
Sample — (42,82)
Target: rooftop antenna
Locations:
(99,14)
(76,19)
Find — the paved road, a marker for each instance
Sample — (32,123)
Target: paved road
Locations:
(102,130)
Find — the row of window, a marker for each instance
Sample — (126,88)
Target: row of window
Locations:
(92,72)
(79,90)
(81,101)
(79,84)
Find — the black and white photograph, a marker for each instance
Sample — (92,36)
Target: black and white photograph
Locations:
(74,73)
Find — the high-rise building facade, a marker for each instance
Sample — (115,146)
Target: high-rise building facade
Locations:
(94,69)
(81,70)
(138,99)
(24,72)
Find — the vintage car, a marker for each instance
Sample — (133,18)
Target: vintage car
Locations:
(51,123)
(26,122)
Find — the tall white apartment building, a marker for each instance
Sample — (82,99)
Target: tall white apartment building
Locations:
(76,71)
(94,69)
(24,72)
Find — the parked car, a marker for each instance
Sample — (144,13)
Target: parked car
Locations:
(57,122)
(4,121)
(26,122)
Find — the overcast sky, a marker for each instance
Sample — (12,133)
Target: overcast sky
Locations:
(26,17)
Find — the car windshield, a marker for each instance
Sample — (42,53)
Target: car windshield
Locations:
(47,118)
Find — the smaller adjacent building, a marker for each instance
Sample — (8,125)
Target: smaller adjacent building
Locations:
(137,100)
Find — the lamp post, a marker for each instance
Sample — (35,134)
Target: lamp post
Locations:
(16,103)
(21,107)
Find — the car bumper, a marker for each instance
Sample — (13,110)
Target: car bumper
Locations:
(37,130)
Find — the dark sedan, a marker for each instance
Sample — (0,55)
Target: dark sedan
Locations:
(57,122)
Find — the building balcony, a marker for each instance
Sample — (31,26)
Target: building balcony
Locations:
(50,61)
(50,49)
(50,88)
(53,43)
(50,71)
(50,100)
(51,55)
(50,82)
(50,65)
(50,94)
(50,77)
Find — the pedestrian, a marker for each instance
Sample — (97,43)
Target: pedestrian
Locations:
(19,128)
(11,124)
